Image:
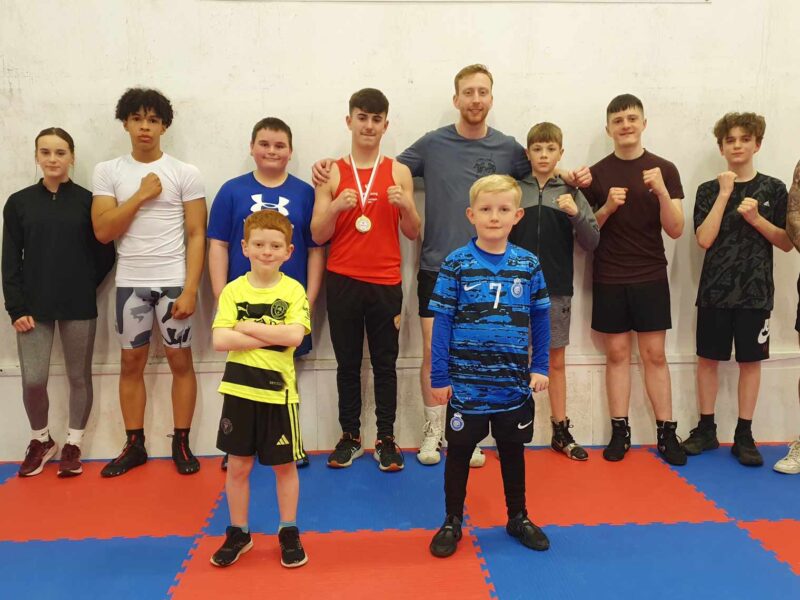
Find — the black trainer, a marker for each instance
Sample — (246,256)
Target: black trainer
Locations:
(303,462)
(620,440)
(744,448)
(347,450)
(668,445)
(292,553)
(224,462)
(701,439)
(445,541)
(527,532)
(132,456)
(237,542)
(388,454)
(185,461)
(564,443)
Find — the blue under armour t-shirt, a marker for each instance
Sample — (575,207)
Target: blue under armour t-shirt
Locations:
(240,197)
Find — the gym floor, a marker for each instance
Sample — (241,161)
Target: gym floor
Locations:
(635,529)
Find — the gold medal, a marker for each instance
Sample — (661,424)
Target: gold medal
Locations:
(363,224)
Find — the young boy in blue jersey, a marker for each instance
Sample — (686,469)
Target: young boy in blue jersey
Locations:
(489,302)
(555,214)
(262,317)
(268,187)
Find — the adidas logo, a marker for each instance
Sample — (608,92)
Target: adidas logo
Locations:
(283,441)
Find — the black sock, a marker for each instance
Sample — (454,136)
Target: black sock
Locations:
(707,421)
(512,468)
(743,426)
(135,436)
(456,472)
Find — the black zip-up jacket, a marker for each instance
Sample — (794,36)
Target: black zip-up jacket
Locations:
(52,263)
(546,230)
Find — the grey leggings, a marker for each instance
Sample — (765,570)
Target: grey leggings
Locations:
(77,340)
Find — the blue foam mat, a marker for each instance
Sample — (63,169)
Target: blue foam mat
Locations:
(351,499)
(118,568)
(739,490)
(636,561)
(7,471)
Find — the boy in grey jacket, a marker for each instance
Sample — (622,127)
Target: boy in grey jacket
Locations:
(553,210)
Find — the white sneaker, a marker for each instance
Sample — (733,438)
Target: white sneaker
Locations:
(790,464)
(478,458)
(431,444)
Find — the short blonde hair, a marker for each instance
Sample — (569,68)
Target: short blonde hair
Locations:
(472,70)
(268,219)
(495,184)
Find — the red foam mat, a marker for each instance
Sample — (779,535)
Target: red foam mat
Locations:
(387,565)
(640,489)
(151,500)
(780,537)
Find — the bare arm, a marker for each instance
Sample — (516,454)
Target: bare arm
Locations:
(217,265)
(227,339)
(671,213)
(194,214)
(273,335)
(774,235)
(316,266)
(793,209)
(111,220)
(403,198)
(326,209)
(708,230)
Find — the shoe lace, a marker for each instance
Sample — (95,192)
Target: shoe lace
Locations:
(346,442)
(125,449)
(431,439)
(794,451)
(70,452)
(290,539)
(388,446)
(34,448)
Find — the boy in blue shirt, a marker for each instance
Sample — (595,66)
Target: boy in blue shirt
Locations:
(490,300)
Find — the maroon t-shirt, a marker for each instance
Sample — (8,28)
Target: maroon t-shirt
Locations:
(631,249)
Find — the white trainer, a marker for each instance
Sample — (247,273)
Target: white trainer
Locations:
(790,464)
(478,458)
(429,450)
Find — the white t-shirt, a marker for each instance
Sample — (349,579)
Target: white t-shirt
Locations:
(152,252)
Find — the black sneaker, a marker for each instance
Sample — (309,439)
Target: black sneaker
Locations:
(744,448)
(132,456)
(346,451)
(701,439)
(303,462)
(224,462)
(388,454)
(445,541)
(528,533)
(185,461)
(292,553)
(668,445)
(564,443)
(237,542)
(620,440)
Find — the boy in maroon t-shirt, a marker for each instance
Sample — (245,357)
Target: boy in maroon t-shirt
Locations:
(635,195)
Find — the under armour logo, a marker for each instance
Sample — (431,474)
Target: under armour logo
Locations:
(259,204)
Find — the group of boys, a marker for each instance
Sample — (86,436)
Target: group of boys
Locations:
(482,300)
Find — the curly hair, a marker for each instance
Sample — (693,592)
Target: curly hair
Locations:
(751,123)
(135,99)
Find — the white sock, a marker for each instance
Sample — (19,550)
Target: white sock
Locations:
(41,434)
(435,414)
(75,436)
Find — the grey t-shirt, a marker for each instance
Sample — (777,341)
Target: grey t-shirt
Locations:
(450,164)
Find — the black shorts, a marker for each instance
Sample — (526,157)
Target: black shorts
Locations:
(509,426)
(272,431)
(621,307)
(720,328)
(426,281)
(797,319)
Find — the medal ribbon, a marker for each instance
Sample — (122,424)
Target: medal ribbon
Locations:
(364,193)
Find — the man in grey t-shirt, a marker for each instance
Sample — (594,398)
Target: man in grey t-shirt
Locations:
(450,159)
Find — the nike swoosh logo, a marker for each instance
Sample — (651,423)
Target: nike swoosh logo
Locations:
(762,337)
(467,288)
(521,426)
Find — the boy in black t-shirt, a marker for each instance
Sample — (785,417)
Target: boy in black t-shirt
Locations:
(738,218)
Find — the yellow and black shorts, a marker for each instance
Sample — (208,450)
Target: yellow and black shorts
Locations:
(272,431)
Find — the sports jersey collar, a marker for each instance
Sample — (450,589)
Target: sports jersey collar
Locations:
(477,253)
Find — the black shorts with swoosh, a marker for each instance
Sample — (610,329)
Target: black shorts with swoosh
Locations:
(510,426)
